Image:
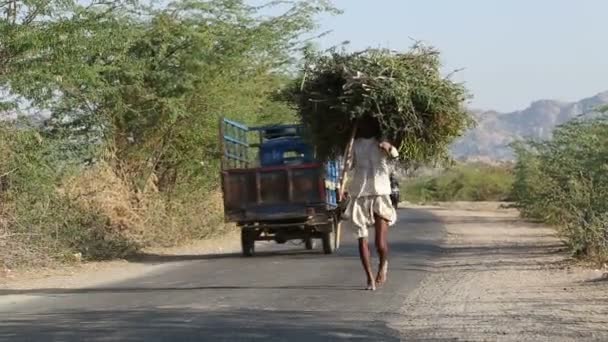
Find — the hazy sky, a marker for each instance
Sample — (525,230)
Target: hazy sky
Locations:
(513,51)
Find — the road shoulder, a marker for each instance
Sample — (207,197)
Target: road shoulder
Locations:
(500,278)
(99,273)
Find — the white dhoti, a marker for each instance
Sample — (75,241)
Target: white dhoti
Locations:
(361,212)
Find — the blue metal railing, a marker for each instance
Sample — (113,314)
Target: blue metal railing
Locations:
(234,144)
(236,150)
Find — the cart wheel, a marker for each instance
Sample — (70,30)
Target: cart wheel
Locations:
(248,242)
(309,242)
(329,241)
(338,234)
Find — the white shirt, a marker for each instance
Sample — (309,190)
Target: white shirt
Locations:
(369,173)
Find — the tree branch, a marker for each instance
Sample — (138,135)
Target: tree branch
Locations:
(31,16)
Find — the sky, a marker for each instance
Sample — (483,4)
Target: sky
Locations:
(513,51)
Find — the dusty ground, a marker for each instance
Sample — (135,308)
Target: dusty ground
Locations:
(504,280)
(95,273)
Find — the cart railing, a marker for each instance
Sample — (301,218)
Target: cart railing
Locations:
(234,144)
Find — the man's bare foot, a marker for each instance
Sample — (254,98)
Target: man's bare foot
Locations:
(382,276)
(371,286)
(371,283)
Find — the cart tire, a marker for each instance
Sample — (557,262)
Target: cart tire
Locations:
(248,242)
(329,242)
(309,242)
(338,234)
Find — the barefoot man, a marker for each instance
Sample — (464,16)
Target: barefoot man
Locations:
(369,190)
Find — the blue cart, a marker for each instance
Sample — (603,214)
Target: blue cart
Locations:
(275,190)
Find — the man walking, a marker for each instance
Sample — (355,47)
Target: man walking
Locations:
(369,190)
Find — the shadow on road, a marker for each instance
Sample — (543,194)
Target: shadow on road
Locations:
(140,289)
(192,324)
(399,248)
(151,258)
(599,280)
(409,219)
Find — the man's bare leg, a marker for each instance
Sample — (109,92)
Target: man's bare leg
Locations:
(365,256)
(381,227)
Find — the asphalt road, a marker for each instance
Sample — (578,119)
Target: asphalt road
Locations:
(283,294)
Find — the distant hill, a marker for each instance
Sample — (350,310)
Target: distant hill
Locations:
(495,131)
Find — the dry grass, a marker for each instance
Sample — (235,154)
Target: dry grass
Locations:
(147,217)
(96,215)
(99,189)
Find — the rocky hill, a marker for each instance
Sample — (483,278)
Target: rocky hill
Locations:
(490,140)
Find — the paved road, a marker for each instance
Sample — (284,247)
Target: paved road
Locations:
(280,295)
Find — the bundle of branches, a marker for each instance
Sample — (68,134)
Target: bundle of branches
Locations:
(419,111)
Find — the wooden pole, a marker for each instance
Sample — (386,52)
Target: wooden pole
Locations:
(346,161)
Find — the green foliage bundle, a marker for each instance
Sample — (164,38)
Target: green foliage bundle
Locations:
(419,110)
(564,182)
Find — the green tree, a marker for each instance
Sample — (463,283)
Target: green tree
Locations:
(152,82)
(142,89)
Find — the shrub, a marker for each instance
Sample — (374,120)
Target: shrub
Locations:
(466,182)
(39,223)
(564,182)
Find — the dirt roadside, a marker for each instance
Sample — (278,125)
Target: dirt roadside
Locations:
(501,279)
(96,273)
